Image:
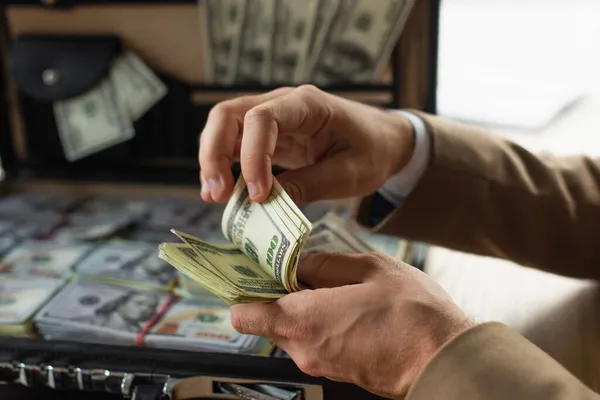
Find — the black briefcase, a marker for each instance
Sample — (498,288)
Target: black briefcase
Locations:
(79,38)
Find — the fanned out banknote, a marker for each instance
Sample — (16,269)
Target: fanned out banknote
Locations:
(261,262)
(326,42)
(103,116)
(88,311)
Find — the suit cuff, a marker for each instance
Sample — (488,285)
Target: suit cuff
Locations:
(399,186)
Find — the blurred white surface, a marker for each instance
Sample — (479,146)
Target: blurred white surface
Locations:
(516,63)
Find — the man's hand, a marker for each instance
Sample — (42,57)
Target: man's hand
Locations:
(334,147)
(372,321)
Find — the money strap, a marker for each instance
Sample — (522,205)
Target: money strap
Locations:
(139,340)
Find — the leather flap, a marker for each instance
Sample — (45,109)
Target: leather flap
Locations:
(53,68)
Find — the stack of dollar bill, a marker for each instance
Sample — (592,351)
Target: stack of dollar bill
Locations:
(89,311)
(20,300)
(296,41)
(261,262)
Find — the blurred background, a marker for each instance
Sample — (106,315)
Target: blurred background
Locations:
(527,69)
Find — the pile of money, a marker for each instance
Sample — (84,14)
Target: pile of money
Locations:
(89,311)
(93,272)
(275,42)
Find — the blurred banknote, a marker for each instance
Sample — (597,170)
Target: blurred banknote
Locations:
(171,212)
(333,234)
(360,43)
(256,43)
(19,300)
(36,203)
(90,311)
(137,86)
(294,25)
(191,324)
(93,121)
(42,259)
(127,263)
(82,226)
(222,22)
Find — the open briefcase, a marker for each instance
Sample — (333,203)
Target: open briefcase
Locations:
(55,50)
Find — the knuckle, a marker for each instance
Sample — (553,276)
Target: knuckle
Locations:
(308,89)
(260,111)
(309,365)
(224,108)
(379,261)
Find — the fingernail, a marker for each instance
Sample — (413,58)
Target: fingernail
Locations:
(253,189)
(214,185)
(205,189)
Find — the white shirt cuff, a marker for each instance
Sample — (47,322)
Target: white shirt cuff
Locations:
(399,186)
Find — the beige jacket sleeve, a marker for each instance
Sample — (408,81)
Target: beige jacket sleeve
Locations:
(492,362)
(485,195)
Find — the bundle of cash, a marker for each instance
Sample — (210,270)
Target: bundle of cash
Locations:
(19,300)
(127,263)
(261,263)
(96,312)
(42,259)
(291,41)
(191,324)
(88,311)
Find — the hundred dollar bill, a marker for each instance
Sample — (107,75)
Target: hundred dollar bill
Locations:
(222,22)
(333,234)
(271,233)
(88,311)
(137,86)
(127,263)
(93,121)
(224,270)
(294,25)
(42,259)
(324,17)
(256,43)
(360,43)
(191,324)
(19,300)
